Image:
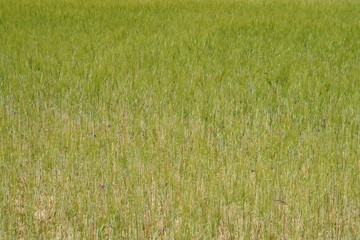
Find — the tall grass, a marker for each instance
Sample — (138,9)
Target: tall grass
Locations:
(179,119)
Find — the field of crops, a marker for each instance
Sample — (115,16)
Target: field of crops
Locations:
(179,119)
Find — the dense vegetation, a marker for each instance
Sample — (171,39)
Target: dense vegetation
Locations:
(179,119)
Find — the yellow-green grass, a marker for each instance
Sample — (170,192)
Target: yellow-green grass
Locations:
(179,119)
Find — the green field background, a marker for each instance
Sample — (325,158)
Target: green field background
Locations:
(179,119)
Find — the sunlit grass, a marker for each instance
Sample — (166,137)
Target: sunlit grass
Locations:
(179,119)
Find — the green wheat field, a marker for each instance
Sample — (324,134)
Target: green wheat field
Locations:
(179,119)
